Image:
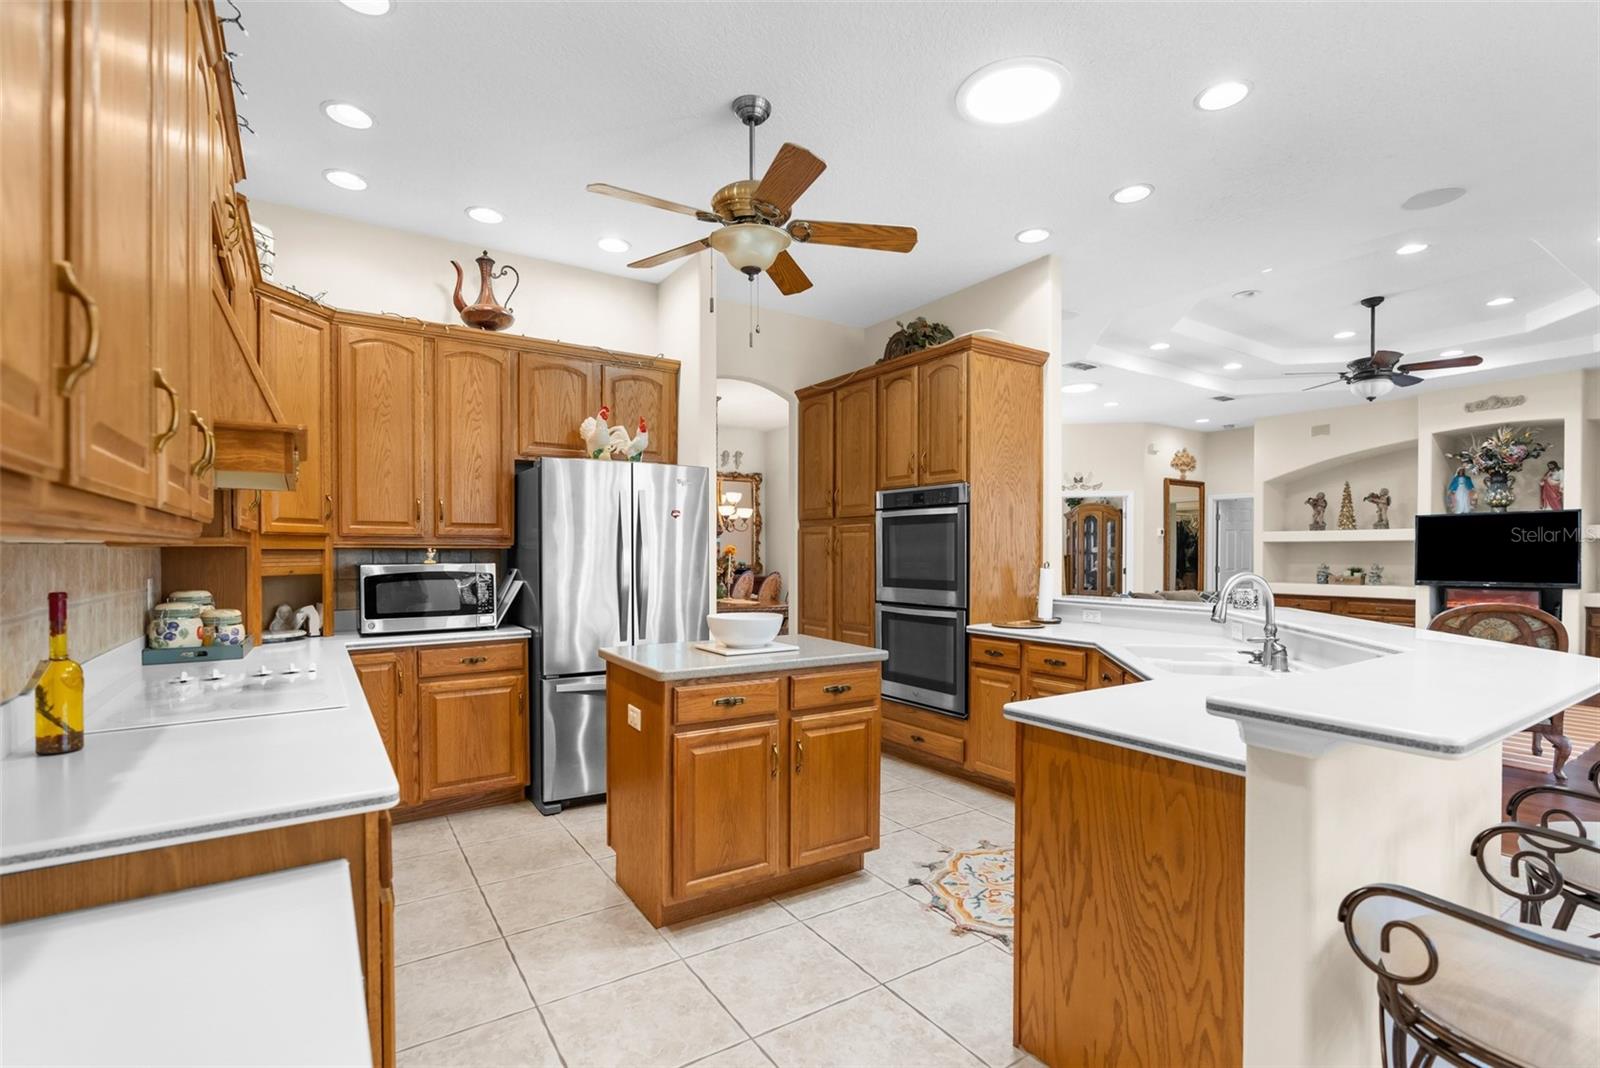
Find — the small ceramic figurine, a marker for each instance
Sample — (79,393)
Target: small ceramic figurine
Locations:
(1381,501)
(1375,575)
(1319,508)
(1323,571)
(1551,493)
(282,619)
(1461,497)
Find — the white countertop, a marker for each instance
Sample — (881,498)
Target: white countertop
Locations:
(260,971)
(677,661)
(145,788)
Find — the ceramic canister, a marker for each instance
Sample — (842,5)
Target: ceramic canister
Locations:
(222,626)
(202,598)
(174,625)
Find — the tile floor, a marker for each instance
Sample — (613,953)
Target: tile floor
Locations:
(515,947)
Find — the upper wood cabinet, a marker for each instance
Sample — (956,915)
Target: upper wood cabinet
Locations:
(382,409)
(816,457)
(555,393)
(296,353)
(855,449)
(472,441)
(648,393)
(473,735)
(942,419)
(833,785)
(726,813)
(898,429)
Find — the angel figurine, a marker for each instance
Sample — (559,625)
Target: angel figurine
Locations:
(1461,497)
(1381,501)
(1319,508)
(1551,493)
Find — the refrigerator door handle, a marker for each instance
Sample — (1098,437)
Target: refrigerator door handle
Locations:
(640,594)
(581,687)
(624,576)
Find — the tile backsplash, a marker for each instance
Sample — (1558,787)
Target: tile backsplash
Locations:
(105,601)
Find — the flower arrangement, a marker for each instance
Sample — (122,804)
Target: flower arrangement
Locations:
(1498,457)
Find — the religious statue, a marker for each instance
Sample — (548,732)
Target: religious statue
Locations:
(1319,507)
(1461,497)
(1551,493)
(1381,501)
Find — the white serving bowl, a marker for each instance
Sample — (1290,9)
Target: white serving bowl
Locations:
(744,630)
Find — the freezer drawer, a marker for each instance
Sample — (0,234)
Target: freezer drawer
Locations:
(571,750)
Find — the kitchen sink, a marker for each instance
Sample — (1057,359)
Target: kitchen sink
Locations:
(1242,669)
(1229,653)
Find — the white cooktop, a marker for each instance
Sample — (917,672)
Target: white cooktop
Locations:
(230,689)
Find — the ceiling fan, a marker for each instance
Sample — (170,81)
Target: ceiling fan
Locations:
(751,214)
(1376,374)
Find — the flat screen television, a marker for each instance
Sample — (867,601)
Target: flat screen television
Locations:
(1500,549)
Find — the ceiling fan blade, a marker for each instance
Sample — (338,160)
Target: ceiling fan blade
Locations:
(1319,385)
(1400,378)
(673,254)
(649,201)
(855,235)
(1435,365)
(1384,359)
(787,275)
(790,173)
(1310,374)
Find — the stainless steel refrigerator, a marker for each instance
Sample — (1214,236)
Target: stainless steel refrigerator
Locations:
(612,552)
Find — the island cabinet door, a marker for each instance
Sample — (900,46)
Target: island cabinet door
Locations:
(833,785)
(472,735)
(387,678)
(991,738)
(725,826)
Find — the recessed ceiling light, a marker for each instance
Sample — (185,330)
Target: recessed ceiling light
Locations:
(1222,95)
(1132,194)
(1410,248)
(1344,335)
(1081,387)
(1500,301)
(1246,294)
(1160,346)
(347,115)
(613,244)
(367,7)
(1012,90)
(485,215)
(346,180)
(1110,404)
(1232,366)
(1447,353)
(1202,420)
(1266,270)
(1033,235)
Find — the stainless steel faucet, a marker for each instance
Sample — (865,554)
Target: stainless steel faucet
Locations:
(1272,654)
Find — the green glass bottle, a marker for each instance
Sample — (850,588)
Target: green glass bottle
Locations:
(58,691)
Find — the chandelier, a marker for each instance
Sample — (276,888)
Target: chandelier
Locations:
(730,516)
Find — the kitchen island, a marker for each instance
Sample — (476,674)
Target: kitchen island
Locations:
(732,778)
(1183,844)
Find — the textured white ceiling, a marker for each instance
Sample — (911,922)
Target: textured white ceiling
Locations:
(1355,108)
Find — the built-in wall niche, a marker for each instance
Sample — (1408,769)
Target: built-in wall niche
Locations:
(1392,467)
(296,591)
(1525,483)
(1297,562)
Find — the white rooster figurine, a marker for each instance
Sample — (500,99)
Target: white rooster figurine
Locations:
(596,435)
(640,442)
(626,448)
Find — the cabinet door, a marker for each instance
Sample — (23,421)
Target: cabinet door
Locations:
(942,415)
(897,429)
(297,361)
(32,73)
(1049,686)
(991,738)
(472,735)
(856,449)
(854,582)
(387,679)
(382,473)
(111,214)
(833,785)
(816,457)
(634,393)
(554,394)
(725,829)
(472,442)
(816,581)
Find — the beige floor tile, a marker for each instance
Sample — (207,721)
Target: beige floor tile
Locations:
(609,866)
(730,925)
(914,806)
(449,993)
(422,836)
(428,876)
(519,1041)
(501,821)
(890,935)
(875,1028)
(1005,810)
(1028,1060)
(531,901)
(969,794)
(968,829)
(888,826)
(901,856)
(833,894)
(506,858)
(744,1055)
(969,997)
(437,925)
(777,977)
(664,1017)
(588,951)
(591,834)
(590,812)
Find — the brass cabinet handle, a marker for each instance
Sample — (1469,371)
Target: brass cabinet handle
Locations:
(172,425)
(799,756)
(919,739)
(996,653)
(199,467)
(728,702)
(1105,676)
(774,760)
(838,687)
(1055,661)
(67,279)
(1013,695)
(327,506)
(473,659)
(441,509)
(419,509)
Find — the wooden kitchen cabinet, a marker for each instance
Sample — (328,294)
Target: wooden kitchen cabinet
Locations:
(473,442)
(295,348)
(649,393)
(382,377)
(473,735)
(555,393)
(388,679)
(899,429)
(833,791)
(942,419)
(855,437)
(816,457)
(991,738)
(725,807)
(817,581)
(855,586)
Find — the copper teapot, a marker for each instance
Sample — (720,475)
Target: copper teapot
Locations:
(485,313)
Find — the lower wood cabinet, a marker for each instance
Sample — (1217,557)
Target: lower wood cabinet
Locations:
(1377,609)
(382,674)
(833,790)
(992,739)
(726,828)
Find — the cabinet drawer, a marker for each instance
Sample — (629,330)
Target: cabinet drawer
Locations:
(725,700)
(465,659)
(1306,604)
(1059,661)
(834,688)
(995,652)
(944,746)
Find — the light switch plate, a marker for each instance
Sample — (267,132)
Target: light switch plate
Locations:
(1091,615)
(635,718)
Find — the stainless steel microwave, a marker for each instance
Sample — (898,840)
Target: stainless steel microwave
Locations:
(400,598)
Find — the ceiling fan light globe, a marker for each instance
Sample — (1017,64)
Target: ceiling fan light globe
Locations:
(750,247)
(1371,388)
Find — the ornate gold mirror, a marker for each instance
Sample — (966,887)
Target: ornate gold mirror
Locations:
(739,518)
(1183,551)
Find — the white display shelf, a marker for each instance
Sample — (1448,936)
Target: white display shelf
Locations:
(1318,589)
(1397,534)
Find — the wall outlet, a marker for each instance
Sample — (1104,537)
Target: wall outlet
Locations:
(635,718)
(1091,615)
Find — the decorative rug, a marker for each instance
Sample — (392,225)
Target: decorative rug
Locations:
(1582,728)
(975,889)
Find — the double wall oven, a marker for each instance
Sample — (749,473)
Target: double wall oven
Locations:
(922,596)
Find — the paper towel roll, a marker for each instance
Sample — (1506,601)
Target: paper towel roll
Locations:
(1046,608)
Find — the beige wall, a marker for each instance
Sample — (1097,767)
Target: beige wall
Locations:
(105,602)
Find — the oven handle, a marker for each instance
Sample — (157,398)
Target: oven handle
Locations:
(948,509)
(894,609)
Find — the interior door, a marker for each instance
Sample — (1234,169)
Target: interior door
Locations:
(473,735)
(855,449)
(897,429)
(472,441)
(382,460)
(725,806)
(833,785)
(816,590)
(1235,549)
(942,419)
(816,457)
(297,362)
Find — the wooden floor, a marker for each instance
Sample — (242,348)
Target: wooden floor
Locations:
(1513,778)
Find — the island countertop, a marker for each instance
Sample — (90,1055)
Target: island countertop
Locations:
(679,661)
